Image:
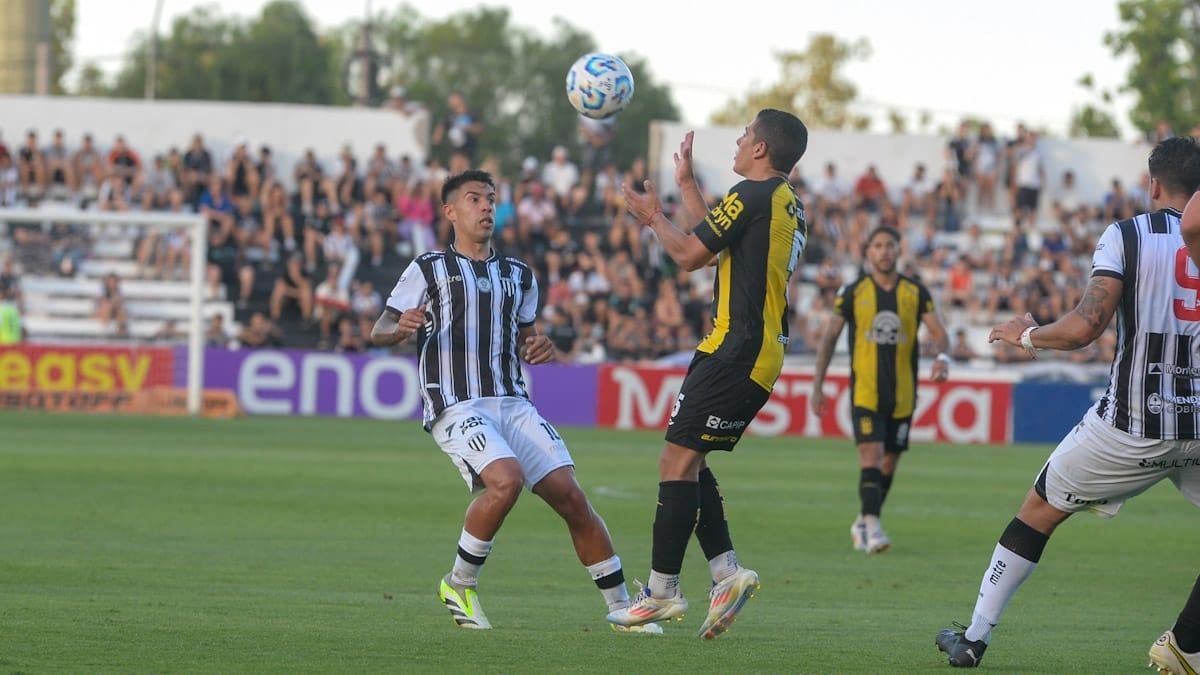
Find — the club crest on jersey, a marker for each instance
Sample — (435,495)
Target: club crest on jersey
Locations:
(484,285)
(885,329)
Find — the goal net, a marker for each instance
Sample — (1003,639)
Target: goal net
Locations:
(104,311)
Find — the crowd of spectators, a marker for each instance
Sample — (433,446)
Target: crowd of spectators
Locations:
(314,242)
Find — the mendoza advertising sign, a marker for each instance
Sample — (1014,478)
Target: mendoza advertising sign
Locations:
(284,382)
(959,411)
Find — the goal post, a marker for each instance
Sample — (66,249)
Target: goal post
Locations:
(37,224)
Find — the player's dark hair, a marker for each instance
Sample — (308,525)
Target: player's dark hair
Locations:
(882,229)
(1175,163)
(785,135)
(469,176)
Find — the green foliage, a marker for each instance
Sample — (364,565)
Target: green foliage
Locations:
(1093,122)
(275,57)
(811,85)
(512,78)
(1163,39)
(296,544)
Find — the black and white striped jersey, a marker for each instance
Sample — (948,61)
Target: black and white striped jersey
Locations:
(474,310)
(1154,383)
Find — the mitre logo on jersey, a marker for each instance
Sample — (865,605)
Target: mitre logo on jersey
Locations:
(885,329)
(508,286)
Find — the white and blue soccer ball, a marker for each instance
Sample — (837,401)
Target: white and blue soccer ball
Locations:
(599,85)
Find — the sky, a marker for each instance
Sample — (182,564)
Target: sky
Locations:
(1011,61)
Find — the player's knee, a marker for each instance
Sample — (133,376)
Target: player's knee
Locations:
(506,485)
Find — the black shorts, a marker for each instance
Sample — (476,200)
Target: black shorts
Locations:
(873,427)
(1027,198)
(716,403)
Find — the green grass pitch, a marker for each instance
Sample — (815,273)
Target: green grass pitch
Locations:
(316,545)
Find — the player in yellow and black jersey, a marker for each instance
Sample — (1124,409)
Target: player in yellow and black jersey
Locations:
(883,310)
(756,234)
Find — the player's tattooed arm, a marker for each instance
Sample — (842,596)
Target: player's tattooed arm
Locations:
(1081,326)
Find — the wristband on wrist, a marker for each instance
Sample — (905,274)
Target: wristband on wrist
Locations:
(1027,341)
(944,358)
(650,220)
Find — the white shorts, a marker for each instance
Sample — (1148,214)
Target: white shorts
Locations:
(479,431)
(1097,467)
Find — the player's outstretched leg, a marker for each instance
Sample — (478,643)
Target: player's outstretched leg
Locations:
(593,544)
(503,481)
(1014,559)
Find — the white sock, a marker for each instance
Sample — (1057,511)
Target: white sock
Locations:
(466,569)
(663,585)
(872,523)
(608,572)
(723,566)
(1003,577)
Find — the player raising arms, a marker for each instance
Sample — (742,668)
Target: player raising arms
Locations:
(473,313)
(757,234)
(884,310)
(1143,429)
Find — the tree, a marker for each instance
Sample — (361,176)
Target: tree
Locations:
(276,57)
(513,78)
(1163,38)
(811,85)
(62,40)
(1090,120)
(91,81)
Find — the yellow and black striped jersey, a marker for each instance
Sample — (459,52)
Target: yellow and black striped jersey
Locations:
(882,338)
(758,233)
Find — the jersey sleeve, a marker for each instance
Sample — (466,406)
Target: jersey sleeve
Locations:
(527,312)
(728,220)
(843,304)
(924,301)
(1109,258)
(410,291)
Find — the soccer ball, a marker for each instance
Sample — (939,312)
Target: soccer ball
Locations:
(599,85)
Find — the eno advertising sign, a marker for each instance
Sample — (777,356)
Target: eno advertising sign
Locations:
(283,382)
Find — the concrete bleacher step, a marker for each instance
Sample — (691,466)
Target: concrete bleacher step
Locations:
(64,307)
(130,288)
(98,268)
(88,328)
(121,249)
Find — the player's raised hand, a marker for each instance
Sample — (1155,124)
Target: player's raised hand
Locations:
(684,175)
(642,206)
(538,349)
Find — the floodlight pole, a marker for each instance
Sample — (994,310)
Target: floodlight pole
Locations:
(152,53)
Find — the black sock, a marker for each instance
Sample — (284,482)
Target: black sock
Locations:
(885,484)
(1024,540)
(869,491)
(674,522)
(712,530)
(1187,626)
